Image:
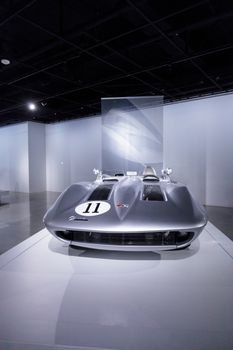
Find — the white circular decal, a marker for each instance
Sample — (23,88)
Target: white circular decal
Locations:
(92,208)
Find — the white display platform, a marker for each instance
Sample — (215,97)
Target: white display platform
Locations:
(56,297)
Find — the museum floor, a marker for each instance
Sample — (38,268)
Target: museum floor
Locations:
(21,216)
(54,297)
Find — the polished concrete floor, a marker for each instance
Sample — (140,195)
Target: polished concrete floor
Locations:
(222,218)
(21,215)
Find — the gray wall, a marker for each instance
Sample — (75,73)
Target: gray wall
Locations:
(73,149)
(185,145)
(36,157)
(198,145)
(14,175)
(22,157)
(219,165)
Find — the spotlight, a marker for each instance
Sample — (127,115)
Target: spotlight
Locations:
(5,61)
(32,106)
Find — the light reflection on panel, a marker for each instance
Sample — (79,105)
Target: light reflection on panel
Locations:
(132,133)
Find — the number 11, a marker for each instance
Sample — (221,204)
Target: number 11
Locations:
(89,207)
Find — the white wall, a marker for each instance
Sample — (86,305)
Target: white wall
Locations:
(70,150)
(219,175)
(36,157)
(185,145)
(73,149)
(198,145)
(22,157)
(14,158)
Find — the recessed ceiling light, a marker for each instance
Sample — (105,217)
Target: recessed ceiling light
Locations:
(32,106)
(5,61)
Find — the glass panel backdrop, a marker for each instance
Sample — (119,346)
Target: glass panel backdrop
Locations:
(132,133)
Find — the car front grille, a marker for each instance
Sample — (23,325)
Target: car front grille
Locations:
(173,238)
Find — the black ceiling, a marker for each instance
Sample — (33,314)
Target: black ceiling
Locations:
(67,54)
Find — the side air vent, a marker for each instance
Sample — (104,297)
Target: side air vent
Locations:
(102,192)
(152,193)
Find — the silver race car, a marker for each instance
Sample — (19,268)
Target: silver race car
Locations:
(127,212)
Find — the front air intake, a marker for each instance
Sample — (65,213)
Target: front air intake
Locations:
(163,238)
(152,193)
(101,192)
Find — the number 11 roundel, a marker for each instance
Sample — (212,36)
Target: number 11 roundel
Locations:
(92,208)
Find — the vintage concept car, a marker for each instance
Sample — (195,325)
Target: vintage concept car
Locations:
(127,212)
